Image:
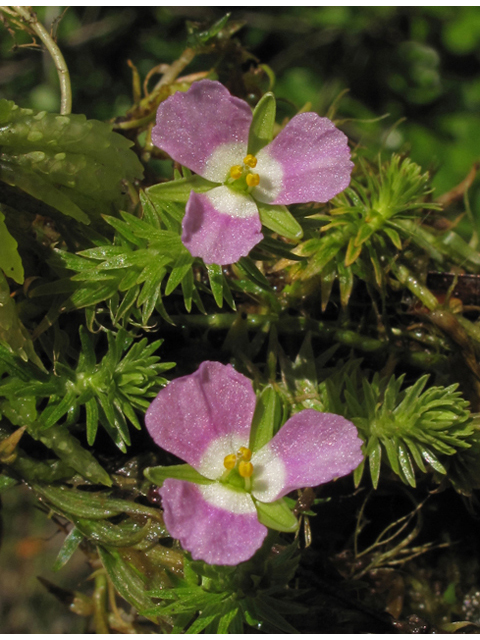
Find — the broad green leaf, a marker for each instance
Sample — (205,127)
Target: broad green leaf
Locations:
(261,129)
(265,419)
(179,190)
(72,164)
(10,260)
(278,218)
(158,475)
(276,515)
(69,449)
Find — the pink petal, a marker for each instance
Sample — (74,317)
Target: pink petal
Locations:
(210,533)
(310,449)
(192,126)
(221,226)
(308,161)
(209,410)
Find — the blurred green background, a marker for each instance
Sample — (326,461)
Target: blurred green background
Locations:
(417,64)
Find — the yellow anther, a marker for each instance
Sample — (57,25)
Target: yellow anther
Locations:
(250,161)
(230,461)
(244,454)
(252,179)
(236,172)
(245,469)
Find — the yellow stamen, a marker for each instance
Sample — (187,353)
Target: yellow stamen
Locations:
(245,454)
(250,161)
(245,469)
(252,179)
(230,461)
(236,172)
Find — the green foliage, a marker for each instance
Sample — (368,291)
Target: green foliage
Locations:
(73,164)
(64,373)
(12,332)
(263,121)
(10,261)
(145,262)
(411,428)
(364,229)
(110,390)
(218,599)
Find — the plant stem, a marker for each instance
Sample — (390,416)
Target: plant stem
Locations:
(30,17)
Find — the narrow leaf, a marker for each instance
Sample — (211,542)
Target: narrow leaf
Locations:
(158,475)
(278,218)
(69,547)
(265,419)
(179,190)
(276,515)
(215,275)
(263,121)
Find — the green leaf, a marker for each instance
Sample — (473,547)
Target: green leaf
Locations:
(276,515)
(179,190)
(248,267)
(265,419)
(79,503)
(226,620)
(6,482)
(278,218)
(92,506)
(91,408)
(69,449)
(180,269)
(56,410)
(125,578)
(125,534)
(197,38)
(70,545)
(263,121)
(10,260)
(158,475)
(12,331)
(215,275)
(72,164)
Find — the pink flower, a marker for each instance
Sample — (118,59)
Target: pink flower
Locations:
(205,419)
(207,130)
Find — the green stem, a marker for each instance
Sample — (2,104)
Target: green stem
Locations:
(30,17)
(100,616)
(324,330)
(174,70)
(411,282)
